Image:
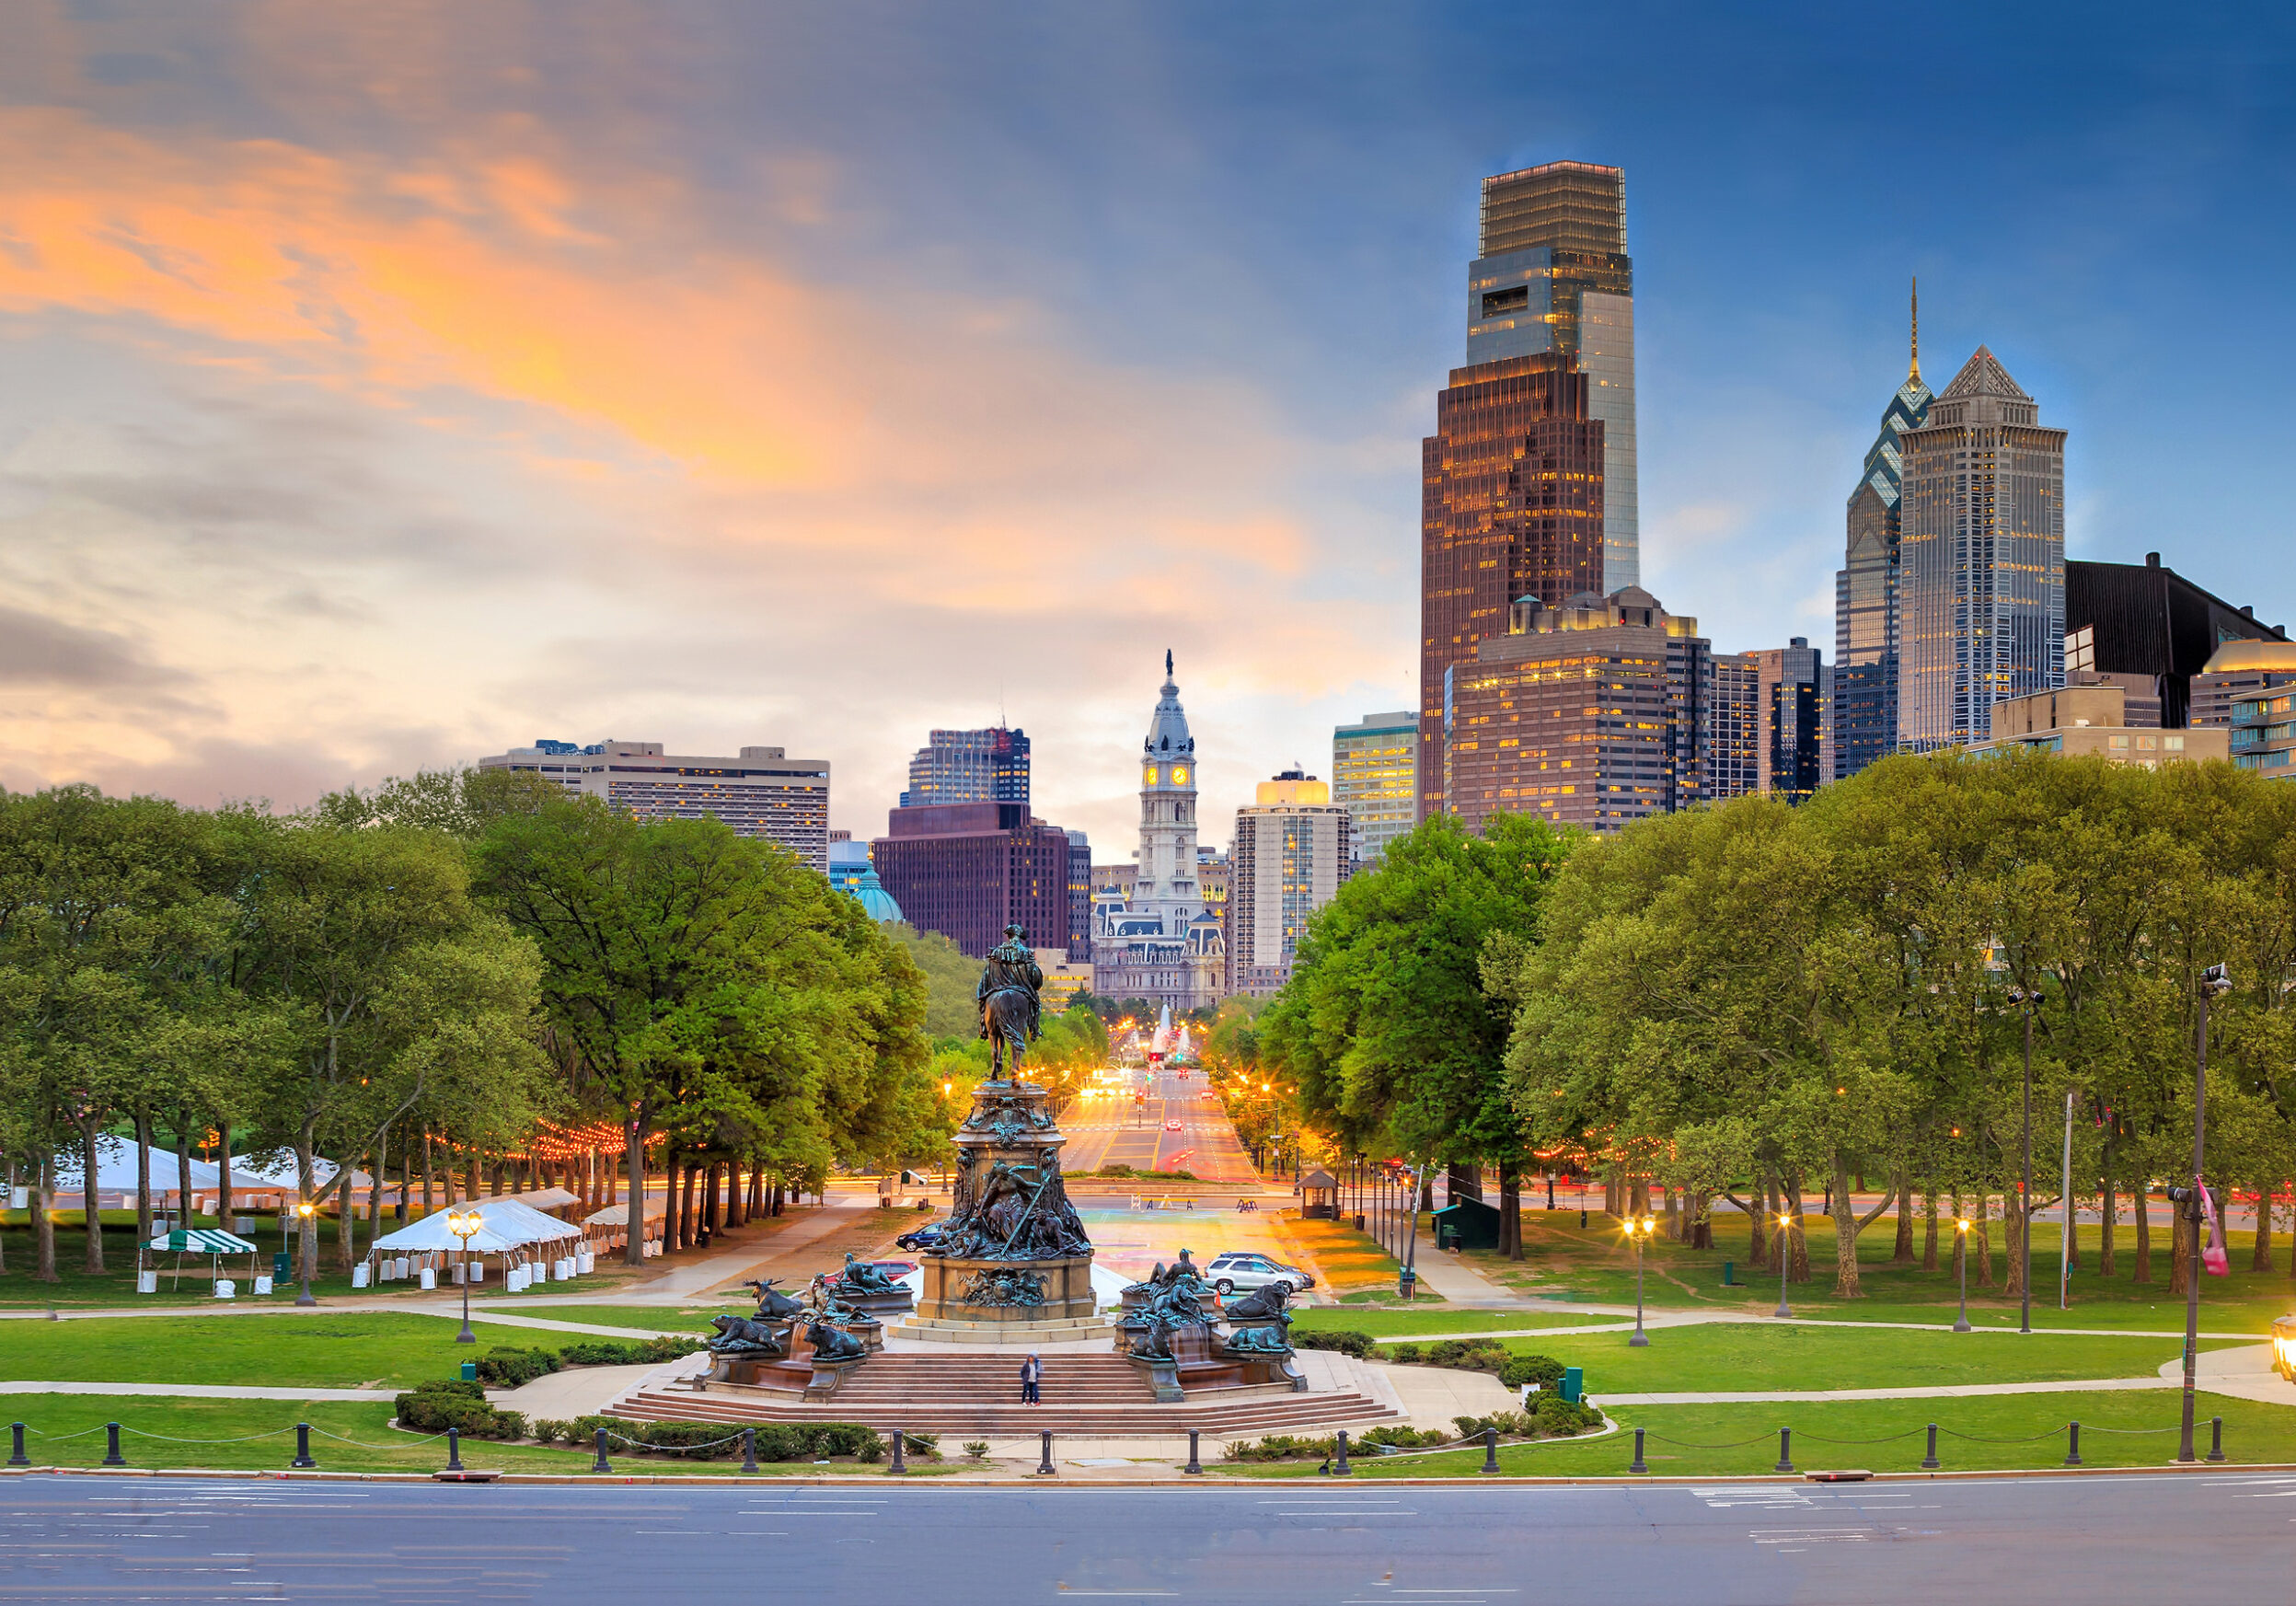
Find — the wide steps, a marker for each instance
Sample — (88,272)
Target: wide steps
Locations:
(1238,1418)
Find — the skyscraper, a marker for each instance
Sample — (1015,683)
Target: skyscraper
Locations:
(1865,587)
(1375,776)
(969,869)
(1981,559)
(1793,687)
(1292,852)
(954,767)
(1553,275)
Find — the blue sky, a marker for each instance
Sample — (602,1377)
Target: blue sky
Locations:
(383,388)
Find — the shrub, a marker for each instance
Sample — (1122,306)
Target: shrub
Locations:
(1542,1370)
(1347,1342)
(977,1449)
(1551,1417)
(1404,1354)
(626,1352)
(507,1369)
(925,1444)
(435,1406)
(1473,1355)
(548,1430)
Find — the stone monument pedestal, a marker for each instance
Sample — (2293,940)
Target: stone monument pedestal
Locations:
(992,1292)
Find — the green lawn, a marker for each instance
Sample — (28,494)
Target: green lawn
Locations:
(1443,1319)
(169,1433)
(352,1349)
(1739,1358)
(693,1319)
(1835,1434)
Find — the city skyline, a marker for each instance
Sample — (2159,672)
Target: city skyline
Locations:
(303,482)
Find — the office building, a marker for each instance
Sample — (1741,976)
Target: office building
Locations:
(991,765)
(969,869)
(1865,587)
(1734,731)
(760,792)
(2235,673)
(2255,682)
(1079,896)
(1552,275)
(1161,942)
(1293,851)
(2151,629)
(1981,559)
(2086,718)
(1792,699)
(1064,978)
(1375,777)
(1589,714)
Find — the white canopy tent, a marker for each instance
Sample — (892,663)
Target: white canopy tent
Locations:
(528,1244)
(611,1225)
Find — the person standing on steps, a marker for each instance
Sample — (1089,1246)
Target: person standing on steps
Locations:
(1032,1375)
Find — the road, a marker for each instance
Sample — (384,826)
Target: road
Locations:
(1111,1130)
(2101,1540)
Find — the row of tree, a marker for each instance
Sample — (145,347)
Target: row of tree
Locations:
(448,961)
(1792,1001)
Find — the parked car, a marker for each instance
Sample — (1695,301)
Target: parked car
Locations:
(1235,1270)
(895,1270)
(926,1237)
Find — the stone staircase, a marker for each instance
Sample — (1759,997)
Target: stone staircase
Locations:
(1095,1395)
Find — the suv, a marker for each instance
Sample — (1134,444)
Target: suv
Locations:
(1236,1270)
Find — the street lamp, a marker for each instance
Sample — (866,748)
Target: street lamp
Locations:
(2215,982)
(1785,1258)
(463,1224)
(305,1210)
(1639,1232)
(1961,1254)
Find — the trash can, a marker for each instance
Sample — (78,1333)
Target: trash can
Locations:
(470,1372)
(1573,1384)
(1728,1266)
(279,1265)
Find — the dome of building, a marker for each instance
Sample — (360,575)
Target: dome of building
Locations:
(2235,655)
(875,900)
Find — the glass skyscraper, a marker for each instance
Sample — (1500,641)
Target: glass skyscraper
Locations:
(1375,776)
(954,767)
(1865,587)
(1981,559)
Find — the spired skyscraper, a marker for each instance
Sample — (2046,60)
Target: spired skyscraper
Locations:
(1981,568)
(1865,587)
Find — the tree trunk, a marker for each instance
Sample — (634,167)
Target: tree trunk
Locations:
(346,1221)
(634,1147)
(44,1219)
(1983,1234)
(2015,1222)
(307,1231)
(223,1175)
(183,1170)
(1845,1218)
(1757,1220)
(1929,1228)
(427,1205)
(2108,1211)
(1510,1210)
(1797,1236)
(687,1235)
(671,1215)
(94,1226)
(2144,1232)
(143,1174)
(1901,1251)
(2182,1229)
(2262,1259)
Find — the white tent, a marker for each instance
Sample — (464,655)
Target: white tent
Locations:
(430,1236)
(115,1168)
(532,1198)
(528,1244)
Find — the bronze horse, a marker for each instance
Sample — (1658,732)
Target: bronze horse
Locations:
(1007,996)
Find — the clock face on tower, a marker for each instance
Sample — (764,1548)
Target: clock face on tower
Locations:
(1147,776)
(1180,774)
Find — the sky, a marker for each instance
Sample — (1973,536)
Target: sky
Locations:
(385,385)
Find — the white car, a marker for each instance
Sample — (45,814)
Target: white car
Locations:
(1236,1270)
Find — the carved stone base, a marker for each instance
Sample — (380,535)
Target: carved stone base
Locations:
(880,1305)
(1067,1289)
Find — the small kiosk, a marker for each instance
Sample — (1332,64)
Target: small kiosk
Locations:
(1319,1195)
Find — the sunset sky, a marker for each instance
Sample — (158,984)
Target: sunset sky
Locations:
(383,385)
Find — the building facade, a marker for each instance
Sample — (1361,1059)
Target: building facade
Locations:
(1589,714)
(969,869)
(761,791)
(991,765)
(2086,718)
(1080,896)
(1793,692)
(1375,777)
(1865,587)
(2153,630)
(2236,672)
(1734,740)
(1981,570)
(1552,275)
(1161,942)
(1294,848)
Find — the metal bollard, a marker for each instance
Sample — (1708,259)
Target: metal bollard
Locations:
(900,1446)
(1638,1464)
(1929,1461)
(1490,1449)
(1194,1468)
(454,1450)
(749,1451)
(1339,1469)
(1045,1468)
(112,1458)
(16,1457)
(2073,1444)
(302,1446)
(1785,1451)
(601,1464)
(2216,1438)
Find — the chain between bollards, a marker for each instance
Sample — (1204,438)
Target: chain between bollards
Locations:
(1785,1451)
(601,1464)
(2216,1438)
(749,1451)
(1339,1469)
(16,1457)
(302,1446)
(2073,1444)
(1638,1464)
(454,1450)
(1929,1461)
(1045,1468)
(112,1458)
(1490,1449)
(1194,1468)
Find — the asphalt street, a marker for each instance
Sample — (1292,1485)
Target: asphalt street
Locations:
(2099,1540)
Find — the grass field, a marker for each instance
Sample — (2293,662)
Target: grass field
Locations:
(1738,1441)
(1347,1259)
(352,1349)
(1445,1318)
(687,1318)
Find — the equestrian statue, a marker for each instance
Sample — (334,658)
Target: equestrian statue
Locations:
(1012,1016)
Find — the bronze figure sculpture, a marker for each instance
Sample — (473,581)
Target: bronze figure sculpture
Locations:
(861,1277)
(1011,1015)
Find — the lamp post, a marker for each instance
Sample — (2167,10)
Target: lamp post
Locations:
(2215,982)
(463,1224)
(1786,1259)
(1639,1232)
(1961,1256)
(305,1210)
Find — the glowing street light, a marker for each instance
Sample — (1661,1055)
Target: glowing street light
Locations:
(305,1255)
(1785,1258)
(463,1224)
(1639,1232)
(1961,1323)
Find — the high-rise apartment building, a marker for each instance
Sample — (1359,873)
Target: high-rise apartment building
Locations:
(1734,730)
(991,765)
(1162,943)
(1865,587)
(760,792)
(2153,630)
(1590,714)
(1375,777)
(2258,680)
(1552,276)
(2239,672)
(1293,850)
(1981,566)
(969,869)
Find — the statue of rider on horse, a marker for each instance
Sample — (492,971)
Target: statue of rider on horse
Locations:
(1010,1014)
